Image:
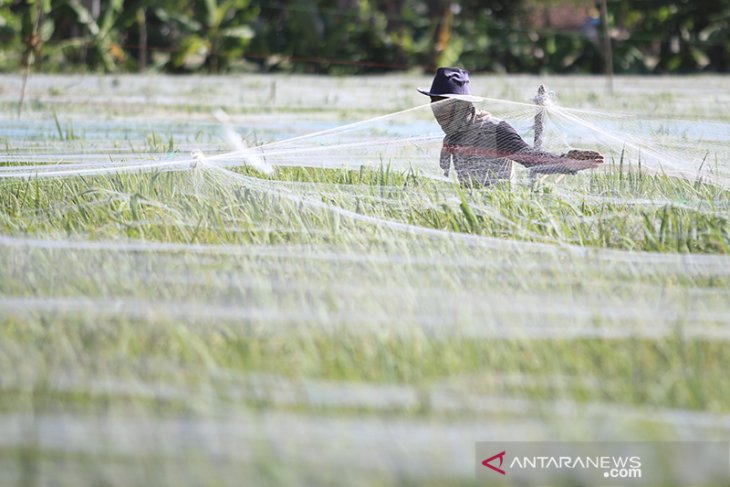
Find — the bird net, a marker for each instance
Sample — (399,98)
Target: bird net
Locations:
(266,274)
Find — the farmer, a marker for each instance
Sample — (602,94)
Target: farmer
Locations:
(483,147)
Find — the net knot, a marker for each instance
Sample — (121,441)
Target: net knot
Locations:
(197,156)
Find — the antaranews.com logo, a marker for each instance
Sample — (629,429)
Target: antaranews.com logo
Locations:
(612,467)
(603,463)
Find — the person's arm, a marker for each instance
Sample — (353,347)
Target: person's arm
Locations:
(511,146)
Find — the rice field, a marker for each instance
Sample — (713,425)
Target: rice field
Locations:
(293,294)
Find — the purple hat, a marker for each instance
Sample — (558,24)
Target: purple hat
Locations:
(451,83)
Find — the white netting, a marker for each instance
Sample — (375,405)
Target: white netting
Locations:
(236,261)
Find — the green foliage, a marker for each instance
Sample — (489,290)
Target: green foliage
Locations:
(678,36)
(519,212)
(99,33)
(327,36)
(210,34)
(10,26)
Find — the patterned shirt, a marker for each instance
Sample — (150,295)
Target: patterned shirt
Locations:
(482,149)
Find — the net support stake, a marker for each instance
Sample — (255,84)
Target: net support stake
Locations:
(539,124)
(539,116)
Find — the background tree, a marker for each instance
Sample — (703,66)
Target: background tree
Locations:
(361,36)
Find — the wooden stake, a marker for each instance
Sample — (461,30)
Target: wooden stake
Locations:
(31,49)
(539,116)
(538,126)
(607,50)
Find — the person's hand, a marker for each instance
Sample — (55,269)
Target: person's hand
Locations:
(583,159)
(584,155)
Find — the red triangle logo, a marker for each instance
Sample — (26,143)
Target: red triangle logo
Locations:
(488,463)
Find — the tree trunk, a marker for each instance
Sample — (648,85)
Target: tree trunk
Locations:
(142,22)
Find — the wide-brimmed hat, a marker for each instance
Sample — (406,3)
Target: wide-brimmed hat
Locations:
(451,83)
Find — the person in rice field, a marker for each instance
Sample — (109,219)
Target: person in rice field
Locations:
(482,147)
